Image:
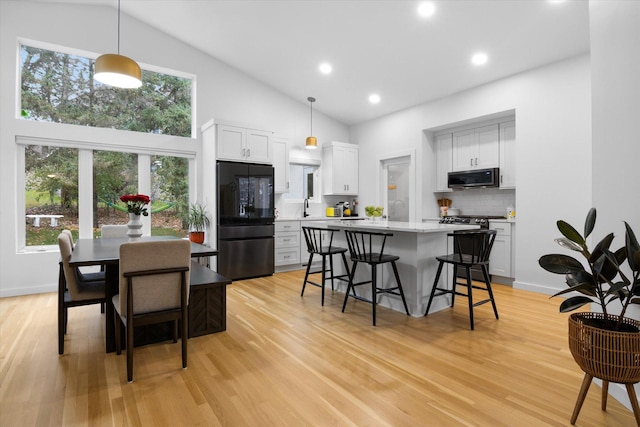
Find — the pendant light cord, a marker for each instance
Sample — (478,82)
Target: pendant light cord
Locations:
(311,121)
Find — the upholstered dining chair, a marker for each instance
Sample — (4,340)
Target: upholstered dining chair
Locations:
(154,288)
(74,288)
(109,231)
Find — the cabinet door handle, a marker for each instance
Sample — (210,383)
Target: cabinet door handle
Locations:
(471,162)
(244,152)
(249,153)
(476,161)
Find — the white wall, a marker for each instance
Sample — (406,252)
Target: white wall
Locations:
(553,127)
(222,93)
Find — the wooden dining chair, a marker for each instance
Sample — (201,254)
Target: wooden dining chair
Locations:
(74,288)
(154,288)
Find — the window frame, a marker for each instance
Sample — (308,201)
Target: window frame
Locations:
(85,182)
(92,55)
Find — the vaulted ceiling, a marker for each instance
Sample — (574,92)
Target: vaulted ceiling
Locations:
(374,46)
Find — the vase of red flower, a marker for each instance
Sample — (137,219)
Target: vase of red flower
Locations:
(136,206)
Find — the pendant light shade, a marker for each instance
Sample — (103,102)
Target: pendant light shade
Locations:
(118,70)
(312,142)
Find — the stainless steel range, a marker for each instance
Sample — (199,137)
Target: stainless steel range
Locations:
(483,222)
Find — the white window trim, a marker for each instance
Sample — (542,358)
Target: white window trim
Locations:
(92,55)
(85,182)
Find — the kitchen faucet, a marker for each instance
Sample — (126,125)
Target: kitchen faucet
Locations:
(305,206)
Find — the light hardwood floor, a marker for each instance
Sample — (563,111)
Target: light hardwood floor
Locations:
(287,361)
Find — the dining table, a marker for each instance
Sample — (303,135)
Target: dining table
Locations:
(106,252)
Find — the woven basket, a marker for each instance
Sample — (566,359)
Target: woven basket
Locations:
(608,355)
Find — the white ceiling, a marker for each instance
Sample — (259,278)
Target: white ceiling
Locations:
(379,46)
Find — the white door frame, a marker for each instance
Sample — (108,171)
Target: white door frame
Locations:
(381,180)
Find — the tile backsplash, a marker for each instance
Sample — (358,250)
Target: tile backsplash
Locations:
(482,201)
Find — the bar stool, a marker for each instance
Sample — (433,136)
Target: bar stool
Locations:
(368,247)
(316,238)
(471,248)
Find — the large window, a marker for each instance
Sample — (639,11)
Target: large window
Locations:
(51,193)
(59,87)
(54,197)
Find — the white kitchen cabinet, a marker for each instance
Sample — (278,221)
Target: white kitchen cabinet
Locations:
(280,148)
(476,148)
(444,161)
(242,144)
(500,260)
(508,154)
(340,169)
(287,244)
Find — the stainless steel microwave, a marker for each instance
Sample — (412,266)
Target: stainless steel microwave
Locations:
(477,178)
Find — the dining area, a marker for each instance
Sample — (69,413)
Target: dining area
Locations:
(150,289)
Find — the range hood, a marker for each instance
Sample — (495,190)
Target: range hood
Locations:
(477,178)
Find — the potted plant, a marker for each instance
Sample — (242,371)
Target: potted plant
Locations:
(198,221)
(605,345)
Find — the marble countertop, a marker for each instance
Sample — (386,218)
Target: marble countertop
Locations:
(320,218)
(410,227)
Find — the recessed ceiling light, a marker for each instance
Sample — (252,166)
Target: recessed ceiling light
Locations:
(325,68)
(426,9)
(555,1)
(374,98)
(479,58)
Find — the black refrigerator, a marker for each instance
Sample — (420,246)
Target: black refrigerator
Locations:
(245,220)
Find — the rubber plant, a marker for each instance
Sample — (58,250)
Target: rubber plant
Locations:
(604,280)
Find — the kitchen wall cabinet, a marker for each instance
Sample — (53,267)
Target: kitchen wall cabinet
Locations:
(280,147)
(243,145)
(444,160)
(500,261)
(340,169)
(476,148)
(287,245)
(508,154)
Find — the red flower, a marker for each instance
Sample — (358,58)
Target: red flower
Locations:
(136,203)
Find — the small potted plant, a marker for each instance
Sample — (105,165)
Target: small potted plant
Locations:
(197,221)
(605,345)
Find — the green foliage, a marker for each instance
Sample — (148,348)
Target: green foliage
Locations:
(198,218)
(597,284)
(58,87)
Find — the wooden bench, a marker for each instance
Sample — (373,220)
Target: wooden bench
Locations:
(207,301)
(52,218)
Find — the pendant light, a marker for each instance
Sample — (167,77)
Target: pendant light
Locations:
(118,70)
(312,142)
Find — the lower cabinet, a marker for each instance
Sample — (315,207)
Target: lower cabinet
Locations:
(287,245)
(500,261)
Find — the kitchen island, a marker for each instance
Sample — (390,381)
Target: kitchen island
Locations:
(417,244)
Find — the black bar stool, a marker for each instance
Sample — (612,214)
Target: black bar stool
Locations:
(471,248)
(368,247)
(320,242)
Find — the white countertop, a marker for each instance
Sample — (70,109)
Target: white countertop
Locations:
(410,227)
(321,218)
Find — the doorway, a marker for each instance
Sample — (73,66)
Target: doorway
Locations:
(397,186)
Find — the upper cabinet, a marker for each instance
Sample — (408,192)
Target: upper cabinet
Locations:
(490,144)
(280,148)
(476,148)
(340,168)
(444,160)
(508,155)
(242,144)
